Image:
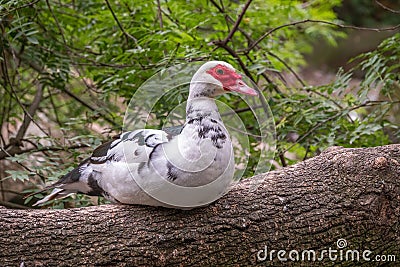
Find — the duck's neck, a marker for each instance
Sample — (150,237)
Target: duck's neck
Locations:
(200,104)
(203,120)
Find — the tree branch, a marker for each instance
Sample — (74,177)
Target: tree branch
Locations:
(349,194)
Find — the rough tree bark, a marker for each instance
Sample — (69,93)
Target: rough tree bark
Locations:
(351,194)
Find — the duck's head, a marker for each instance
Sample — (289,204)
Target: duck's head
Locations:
(218,77)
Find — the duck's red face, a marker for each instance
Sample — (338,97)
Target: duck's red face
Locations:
(231,81)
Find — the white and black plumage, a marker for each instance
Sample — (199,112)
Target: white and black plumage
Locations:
(154,167)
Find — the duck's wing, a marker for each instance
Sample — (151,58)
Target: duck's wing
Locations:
(129,147)
(132,147)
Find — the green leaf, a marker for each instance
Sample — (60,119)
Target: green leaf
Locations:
(32,39)
(19,175)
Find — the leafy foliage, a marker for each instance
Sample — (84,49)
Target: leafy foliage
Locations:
(81,61)
(329,115)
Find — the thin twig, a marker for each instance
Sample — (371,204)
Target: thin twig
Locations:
(220,9)
(236,25)
(243,66)
(283,160)
(55,110)
(87,105)
(240,61)
(322,22)
(243,132)
(168,15)
(387,8)
(239,110)
(288,67)
(305,154)
(159,14)
(56,21)
(8,154)
(231,20)
(127,35)
(13,92)
(249,40)
(265,76)
(3,14)
(52,148)
(329,99)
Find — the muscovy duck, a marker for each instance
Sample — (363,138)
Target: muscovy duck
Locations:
(157,168)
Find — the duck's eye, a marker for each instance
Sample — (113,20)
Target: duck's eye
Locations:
(220,71)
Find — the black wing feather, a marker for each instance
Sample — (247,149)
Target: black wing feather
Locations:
(100,153)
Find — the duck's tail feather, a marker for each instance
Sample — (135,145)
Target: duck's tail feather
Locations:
(68,184)
(58,193)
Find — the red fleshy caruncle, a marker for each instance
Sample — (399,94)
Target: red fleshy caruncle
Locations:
(225,75)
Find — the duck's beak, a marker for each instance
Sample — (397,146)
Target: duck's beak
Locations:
(241,87)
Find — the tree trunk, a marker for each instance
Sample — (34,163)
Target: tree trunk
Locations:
(344,201)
